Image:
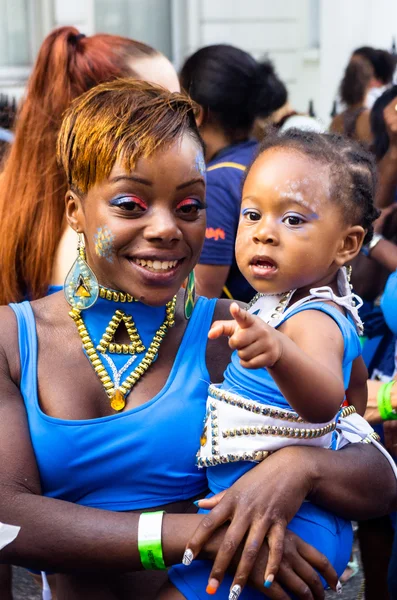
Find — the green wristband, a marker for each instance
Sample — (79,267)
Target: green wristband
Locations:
(386,410)
(149,540)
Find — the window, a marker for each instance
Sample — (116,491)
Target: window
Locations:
(15,33)
(147,21)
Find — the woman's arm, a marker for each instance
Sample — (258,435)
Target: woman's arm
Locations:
(58,535)
(385,254)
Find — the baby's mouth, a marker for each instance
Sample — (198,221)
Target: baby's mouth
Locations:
(263,263)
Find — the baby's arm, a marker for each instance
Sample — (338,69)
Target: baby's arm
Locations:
(304,357)
(357,392)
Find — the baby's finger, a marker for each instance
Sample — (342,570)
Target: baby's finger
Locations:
(250,350)
(243,318)
(222,328)
(258,362)
(275,539)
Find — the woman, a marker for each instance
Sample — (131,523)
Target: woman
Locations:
(232,90)
(38,246)
(383,64)
(79,451)
(354,120)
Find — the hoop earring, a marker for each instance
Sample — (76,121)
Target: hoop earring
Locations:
(190,295)
(81,286)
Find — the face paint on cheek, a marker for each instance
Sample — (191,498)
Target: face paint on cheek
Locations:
(199,163)
(103,240)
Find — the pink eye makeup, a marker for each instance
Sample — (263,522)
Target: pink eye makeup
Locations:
(191,202)
(129,202)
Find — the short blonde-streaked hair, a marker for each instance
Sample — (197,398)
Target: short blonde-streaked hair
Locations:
(121,121)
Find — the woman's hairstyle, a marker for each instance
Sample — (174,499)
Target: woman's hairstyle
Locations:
(380,143)
(32,186)
(382,62)
(352,170)
(232,87)
(120,121)
(355,82)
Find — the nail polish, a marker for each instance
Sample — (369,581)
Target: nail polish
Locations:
(269,581)
(212,587)
(339,588)
(235,592)
(187,557)
(196,503)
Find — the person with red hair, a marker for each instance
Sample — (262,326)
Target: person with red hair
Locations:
(36,244)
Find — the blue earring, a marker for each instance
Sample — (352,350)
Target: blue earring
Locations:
(81,286)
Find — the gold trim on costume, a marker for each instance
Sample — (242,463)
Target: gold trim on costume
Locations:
(233,165)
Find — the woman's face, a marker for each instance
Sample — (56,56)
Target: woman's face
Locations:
(144,230)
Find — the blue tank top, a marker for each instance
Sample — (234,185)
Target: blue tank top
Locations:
(141,458)
(258,385)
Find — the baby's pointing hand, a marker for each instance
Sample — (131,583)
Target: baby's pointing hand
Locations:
(257,344)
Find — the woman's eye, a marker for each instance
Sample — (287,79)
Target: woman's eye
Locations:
(190,207)
(251,215)
(130,204)
(293,220)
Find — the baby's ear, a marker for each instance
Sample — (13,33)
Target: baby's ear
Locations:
(350,244)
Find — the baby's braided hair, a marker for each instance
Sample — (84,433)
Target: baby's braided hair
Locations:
(352,171)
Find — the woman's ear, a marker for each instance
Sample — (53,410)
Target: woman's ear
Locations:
(74,211)
(200,117)
(350,245)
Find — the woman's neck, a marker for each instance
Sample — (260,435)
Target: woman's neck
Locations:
(215,140)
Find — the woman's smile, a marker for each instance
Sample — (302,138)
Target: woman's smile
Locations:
(156,270)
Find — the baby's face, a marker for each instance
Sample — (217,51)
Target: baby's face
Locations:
(289,230)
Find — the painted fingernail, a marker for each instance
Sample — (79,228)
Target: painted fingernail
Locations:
(196,503)
(187,557)
(269,581)
(235,592)
(338,588)
(212,587)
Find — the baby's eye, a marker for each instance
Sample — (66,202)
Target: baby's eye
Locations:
(251,214)
(130,204)
(190,207)
(293,220)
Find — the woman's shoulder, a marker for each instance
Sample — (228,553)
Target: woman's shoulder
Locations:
(9,348)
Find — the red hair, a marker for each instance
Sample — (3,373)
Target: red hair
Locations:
(32,185)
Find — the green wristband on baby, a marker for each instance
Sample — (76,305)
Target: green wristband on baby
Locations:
(149,540)
(386,411)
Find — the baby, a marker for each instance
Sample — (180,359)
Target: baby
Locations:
(307,208)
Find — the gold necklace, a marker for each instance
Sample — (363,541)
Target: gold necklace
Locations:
(117,396)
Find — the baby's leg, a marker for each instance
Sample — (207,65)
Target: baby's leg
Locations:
(169,592)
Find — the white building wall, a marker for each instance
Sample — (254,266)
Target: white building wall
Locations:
(278,30)
(285,30)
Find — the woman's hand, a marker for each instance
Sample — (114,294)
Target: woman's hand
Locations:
(297,574)
(260,504)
